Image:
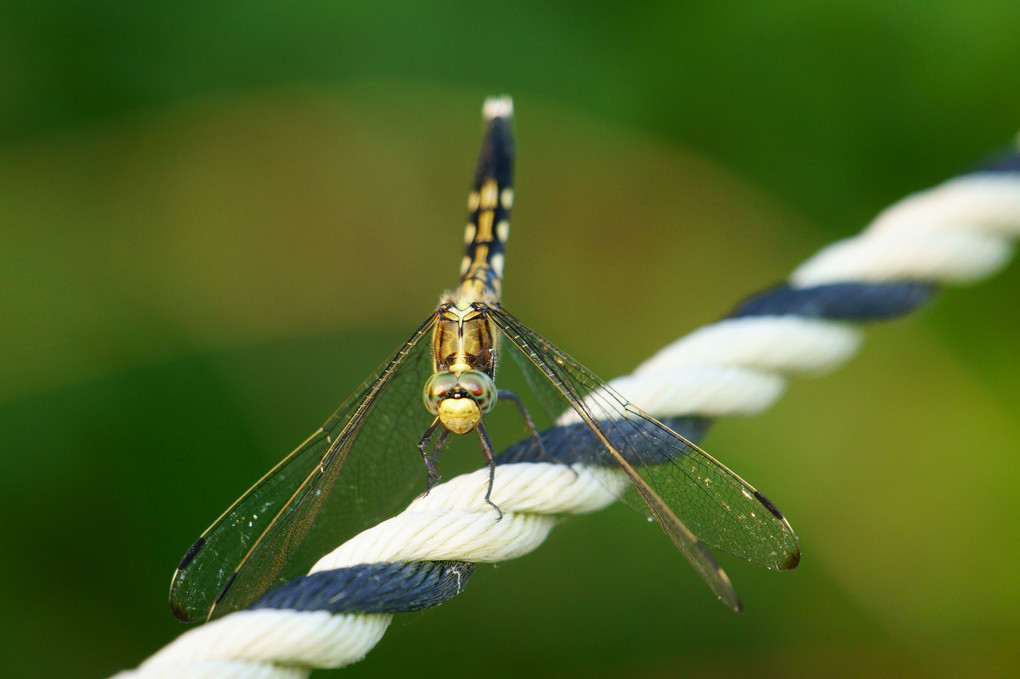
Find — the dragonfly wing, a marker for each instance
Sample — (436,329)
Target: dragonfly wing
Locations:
(371,438)
(696,499)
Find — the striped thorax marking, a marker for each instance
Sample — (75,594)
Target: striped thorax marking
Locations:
(463,339)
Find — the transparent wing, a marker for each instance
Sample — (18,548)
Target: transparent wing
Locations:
(369,444)
(698,502)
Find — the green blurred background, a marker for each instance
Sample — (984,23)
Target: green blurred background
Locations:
(216,219)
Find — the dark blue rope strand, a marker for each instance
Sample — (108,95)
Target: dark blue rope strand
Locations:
(372,588)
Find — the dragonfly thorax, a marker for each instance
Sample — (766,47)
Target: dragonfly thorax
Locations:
(464,339)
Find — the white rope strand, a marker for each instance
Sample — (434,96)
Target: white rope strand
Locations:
(958,232)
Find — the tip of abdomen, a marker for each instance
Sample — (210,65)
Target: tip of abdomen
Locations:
(498,107)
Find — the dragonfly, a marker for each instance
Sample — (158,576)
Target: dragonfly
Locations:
(355,469)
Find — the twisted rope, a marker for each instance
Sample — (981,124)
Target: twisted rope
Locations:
(957,232)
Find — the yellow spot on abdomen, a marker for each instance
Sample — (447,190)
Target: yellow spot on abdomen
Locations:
(484,234)
(488,194)
(503,231)
(497,262)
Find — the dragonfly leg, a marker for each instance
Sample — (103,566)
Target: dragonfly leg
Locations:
(487,448)
(430,459)
(507,395)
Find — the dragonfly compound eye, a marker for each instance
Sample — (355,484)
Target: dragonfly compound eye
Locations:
(480,387)
(436,388)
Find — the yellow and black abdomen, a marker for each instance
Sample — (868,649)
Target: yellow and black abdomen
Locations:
(489,205)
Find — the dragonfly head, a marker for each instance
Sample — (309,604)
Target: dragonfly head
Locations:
(460,400)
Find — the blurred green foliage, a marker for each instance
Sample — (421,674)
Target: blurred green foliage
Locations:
(215,220)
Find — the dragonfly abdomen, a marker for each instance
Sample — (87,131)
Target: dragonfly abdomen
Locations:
(489,206)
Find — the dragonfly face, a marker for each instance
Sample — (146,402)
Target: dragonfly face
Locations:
(460,400)
(359,467)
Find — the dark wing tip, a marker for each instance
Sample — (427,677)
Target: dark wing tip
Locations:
(792,557)
(190,554)
(181,613)
(792,560)
(767,503)
(179,610)
(729,598)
